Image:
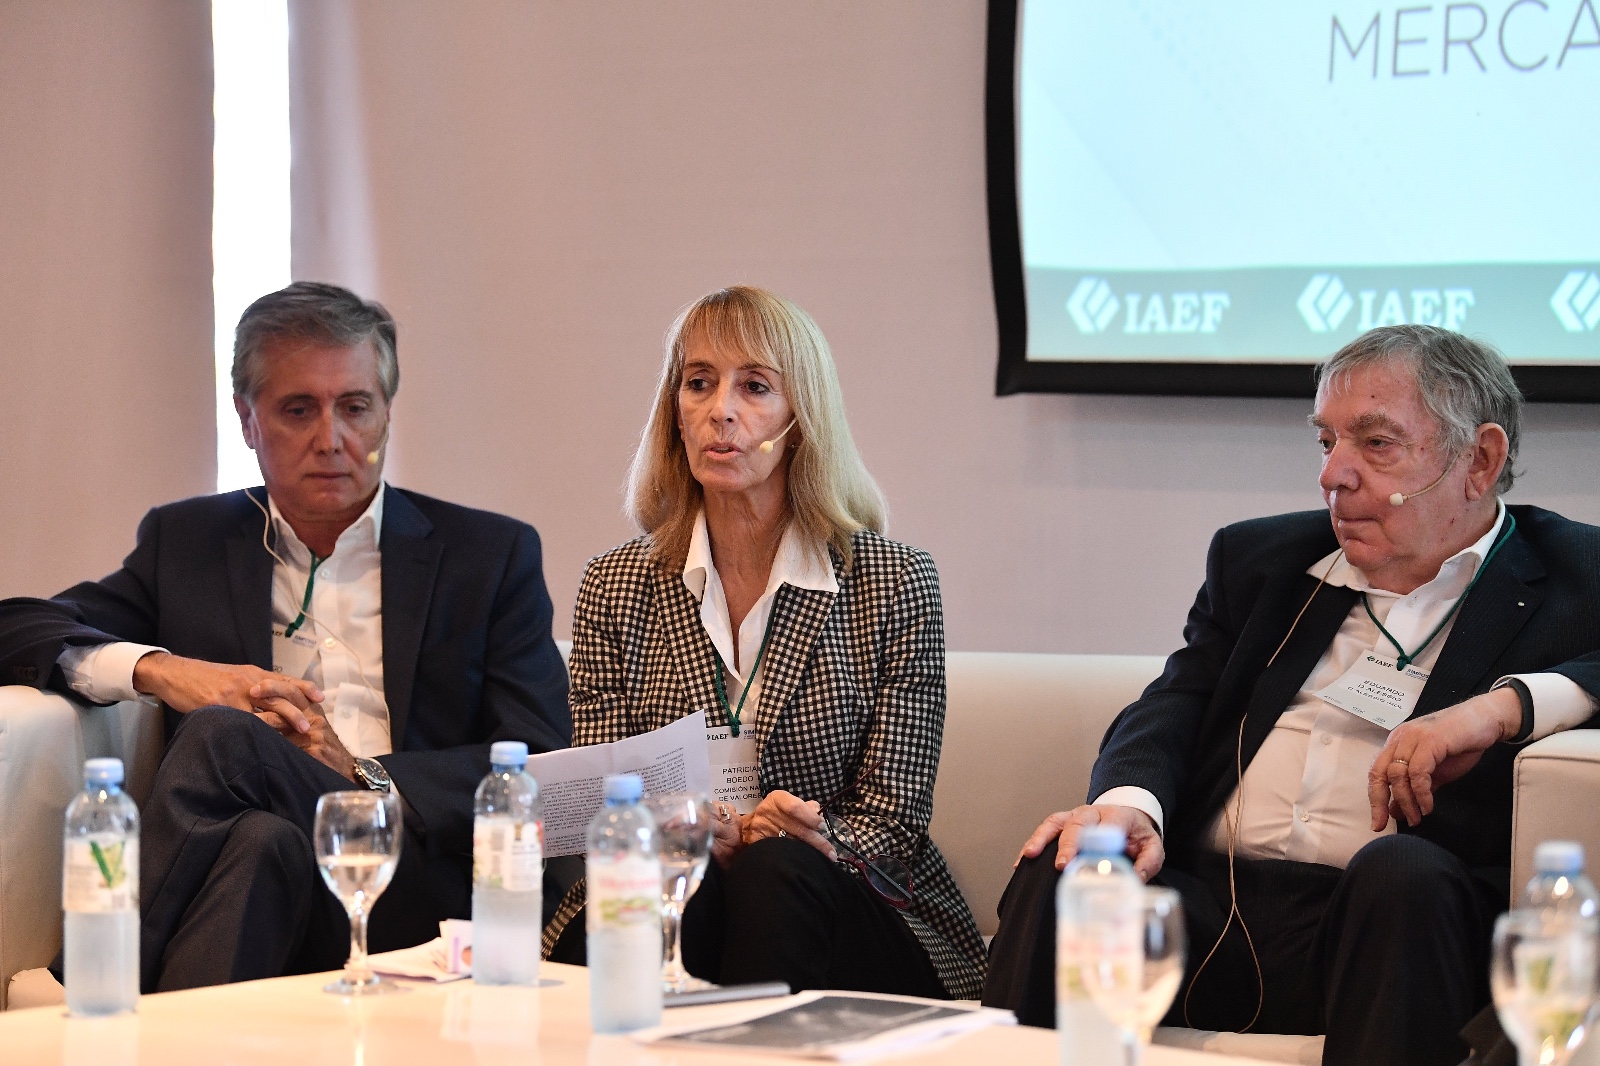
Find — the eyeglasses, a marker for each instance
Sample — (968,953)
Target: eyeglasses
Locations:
(887,876)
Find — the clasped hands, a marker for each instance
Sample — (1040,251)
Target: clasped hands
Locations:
(780,813)
(291,706)
(1420,756)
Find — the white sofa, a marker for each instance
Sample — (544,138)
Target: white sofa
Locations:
(1020,737)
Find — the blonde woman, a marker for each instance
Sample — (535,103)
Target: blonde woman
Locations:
(764,593)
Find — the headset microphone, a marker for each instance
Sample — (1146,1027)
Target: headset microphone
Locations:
(766,445)
(372,456)
(1398,498)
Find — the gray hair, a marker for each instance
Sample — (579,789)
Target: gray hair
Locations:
(1463,383)
(313,311)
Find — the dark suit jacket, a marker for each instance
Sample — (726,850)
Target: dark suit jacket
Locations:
(1534,609)
(467,654)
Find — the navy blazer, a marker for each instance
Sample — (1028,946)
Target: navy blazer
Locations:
(1533,610)
(468,657)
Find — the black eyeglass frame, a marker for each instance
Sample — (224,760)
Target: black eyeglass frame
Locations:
(867,866)
(902,896)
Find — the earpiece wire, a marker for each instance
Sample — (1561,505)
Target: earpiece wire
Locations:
(360,665)
(1232,823)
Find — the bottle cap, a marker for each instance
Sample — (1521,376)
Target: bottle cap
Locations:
(508,753)
(1102,840)
(1558,857)
(103,771)
(624,788)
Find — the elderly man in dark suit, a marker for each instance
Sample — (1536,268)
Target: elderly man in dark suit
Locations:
(328,632)
(1366,842)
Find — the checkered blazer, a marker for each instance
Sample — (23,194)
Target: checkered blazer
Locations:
(850,678)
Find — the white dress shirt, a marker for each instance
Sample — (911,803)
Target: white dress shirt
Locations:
(339,647)
(1304,795)
(793,565)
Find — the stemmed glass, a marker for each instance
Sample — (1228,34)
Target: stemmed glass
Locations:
(683,835)
(1543,975)
(357,836)
(1135,963)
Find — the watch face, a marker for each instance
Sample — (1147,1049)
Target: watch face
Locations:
(372,772)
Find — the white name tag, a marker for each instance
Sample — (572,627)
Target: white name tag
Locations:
(292,656)
(1373,689)
(735,777)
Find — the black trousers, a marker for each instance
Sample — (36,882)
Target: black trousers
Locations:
(229,884)
(1388,957)
(782,911)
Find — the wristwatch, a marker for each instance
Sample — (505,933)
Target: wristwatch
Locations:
(370,772)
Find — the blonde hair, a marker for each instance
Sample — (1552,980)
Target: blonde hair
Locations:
(831,496)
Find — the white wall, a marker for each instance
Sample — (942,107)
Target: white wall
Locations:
(542,185)
(105,278)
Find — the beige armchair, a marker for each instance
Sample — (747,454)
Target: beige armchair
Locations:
(1021,732)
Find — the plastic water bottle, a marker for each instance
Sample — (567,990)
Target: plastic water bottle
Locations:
(507,871)
(624,879)
(1558,880)
(100,894)
(1099,885)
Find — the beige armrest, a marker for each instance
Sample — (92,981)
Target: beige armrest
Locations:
(1556,792)
(44,739)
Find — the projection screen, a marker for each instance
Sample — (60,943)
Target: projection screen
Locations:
(1205,196)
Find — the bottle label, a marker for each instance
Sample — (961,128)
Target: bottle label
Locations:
(100,874)
(624,893)
(1098,940)
(507,854)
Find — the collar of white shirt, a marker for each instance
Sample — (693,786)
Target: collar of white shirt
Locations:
(364,533)
(1454,571)
(794,565)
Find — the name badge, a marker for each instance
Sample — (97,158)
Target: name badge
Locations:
(1373,689)
(292,656)
(735,776)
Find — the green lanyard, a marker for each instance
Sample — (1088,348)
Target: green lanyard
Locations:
(1407,658)
(305,604)
(734,713)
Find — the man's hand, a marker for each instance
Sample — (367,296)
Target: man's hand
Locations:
(323,744)
(1144,843)
(1434,750)
(188,684)
(785,814)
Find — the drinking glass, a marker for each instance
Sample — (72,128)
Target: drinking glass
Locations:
(357,836)
(1543,975)
(1135,962)
(683,835)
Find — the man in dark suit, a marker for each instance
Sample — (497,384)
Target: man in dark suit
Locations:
(1364,838)
(329,632)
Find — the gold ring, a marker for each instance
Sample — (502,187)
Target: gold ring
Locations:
(1402,762)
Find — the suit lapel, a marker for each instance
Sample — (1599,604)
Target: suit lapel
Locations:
(1280,681)
(798,616)
(250,587)
(410,565)
(1501,603)
(693,654)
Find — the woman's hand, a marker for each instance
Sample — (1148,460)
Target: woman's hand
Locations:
(784,814)
(727,833)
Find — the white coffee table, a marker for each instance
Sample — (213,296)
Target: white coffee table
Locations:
(290,1021)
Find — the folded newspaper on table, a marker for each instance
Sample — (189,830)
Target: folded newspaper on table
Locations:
(841,1026)
(571,781)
